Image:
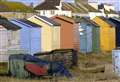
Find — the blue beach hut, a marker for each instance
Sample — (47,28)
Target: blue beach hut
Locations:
(89,35)
(30,36)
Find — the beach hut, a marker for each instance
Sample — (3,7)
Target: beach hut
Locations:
(116,21)
(50,38)
(30,36)
(89,35)
(107,33)
(69,36)
(8,39)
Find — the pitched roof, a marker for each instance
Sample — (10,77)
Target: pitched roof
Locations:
(81,1)
(7,24)
(78,7)
(48,5)
(14,7)
(107,21)
(64,18)
(110,12)
(86,19)
(29,23)
(47,20)
(72,7)
(90,8)
(116,19)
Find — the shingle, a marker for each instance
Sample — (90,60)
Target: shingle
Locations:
(29,23)
(49,20)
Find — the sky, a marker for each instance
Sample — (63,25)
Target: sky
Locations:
(35,2)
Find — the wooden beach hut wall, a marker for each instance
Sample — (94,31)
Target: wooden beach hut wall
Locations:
(89,35)
(107,33)
(69,36)
(30,36)
(50,38)
(7,41)
(116,21)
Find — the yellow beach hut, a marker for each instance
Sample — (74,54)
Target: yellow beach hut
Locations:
(50,32)
(107,33)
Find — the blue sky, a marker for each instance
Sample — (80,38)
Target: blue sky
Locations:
(35,1)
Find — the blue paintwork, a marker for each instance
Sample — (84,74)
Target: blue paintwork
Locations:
(86,38)
(30,37)
(117,23)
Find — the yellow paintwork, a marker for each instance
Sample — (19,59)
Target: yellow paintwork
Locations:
(50,35)
(107,34)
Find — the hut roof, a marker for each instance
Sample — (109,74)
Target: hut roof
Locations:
(29,23)
(7,24)
(47,20)
(86,19)
(108,21)
(64,18)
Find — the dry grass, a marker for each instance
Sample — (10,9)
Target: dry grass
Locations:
(79,76)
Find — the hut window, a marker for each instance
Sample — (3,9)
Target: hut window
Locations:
(43,12)
(52,12)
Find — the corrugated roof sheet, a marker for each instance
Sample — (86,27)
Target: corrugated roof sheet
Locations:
(29,23)
(47,20)
(14,7)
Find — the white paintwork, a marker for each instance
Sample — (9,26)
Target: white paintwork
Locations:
(50,13)
(14,40)
(94,5)
(58,11)
(3,40)
(113,15)
(94,14)
(116,61)
(107,7)
(9,40)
